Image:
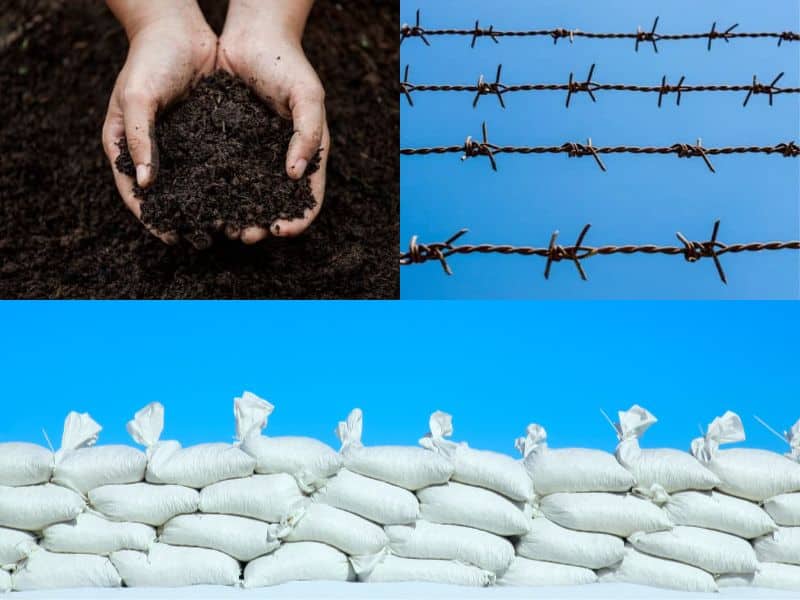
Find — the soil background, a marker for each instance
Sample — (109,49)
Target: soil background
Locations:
(64,231)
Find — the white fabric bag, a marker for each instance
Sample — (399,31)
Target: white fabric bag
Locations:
(349,533)
(24,464)
(745,472)
(783,546)
(92,534)
(375,500)
(769,575)
(35,507)
(647,570)
(674,470)
(526,572)
(784,509)
(405,466)
(309,461)
(547,541)
(44,570)
(14,546)
(242,538)
(265,497)
(82,466)
(460,504)
(570,469)
(711,551)
(492,470)
(300,561)
(451,542)
(617,514)
(144,502)
(196,466)
(170,566)
(5,581)
(393,569)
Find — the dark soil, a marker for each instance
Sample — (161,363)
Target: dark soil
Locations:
(64,231)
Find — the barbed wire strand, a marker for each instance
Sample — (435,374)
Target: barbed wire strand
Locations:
(692,251)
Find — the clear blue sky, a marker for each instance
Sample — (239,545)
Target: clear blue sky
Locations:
(641,199)
(495,367)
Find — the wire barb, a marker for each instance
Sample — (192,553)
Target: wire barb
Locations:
(760,88)
(714,34)
(587,86)
(406,31)
(406,88)
(478,32)
(484,148)
(649,36)
(483,88)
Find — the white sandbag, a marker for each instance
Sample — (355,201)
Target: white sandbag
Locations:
(144,502)
(547,541)
(309,461)
(405,466)
(783,546)
(44,570)
(617,514)
(24,464)
(745,472)
(375,500)
(265,497)
(711,551)
(714,510)
(170,566)
(196,466)
(242,538)
(784,509)
(526,572)
(82,466)
(393,569)
(769,575)
(674,470)
(5,581)
(347,532)
(92,534)
(300,561)
(642,569)
(492,470)
(14,546)
(35,507)
(451,542)
(570,469)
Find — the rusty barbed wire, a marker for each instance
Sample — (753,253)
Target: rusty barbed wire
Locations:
(499,89)
(692,251)
(472,148)
(640,36)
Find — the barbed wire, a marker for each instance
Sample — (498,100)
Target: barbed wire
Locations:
(692,251)
(472,148)
(499,89)
(640,36)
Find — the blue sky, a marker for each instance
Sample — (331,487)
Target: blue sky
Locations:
(496,368)
(641,199)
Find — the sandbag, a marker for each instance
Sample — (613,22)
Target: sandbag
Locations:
(570,469)
(784,509)
(674,470)
(144,502)
(82,466)
(35,507)
(451,542)
(347,532)
(265,497)
(309,461)
(492,470)
(170,566)
(24,464)
(642,569)
(394,569)
(713,510)
(299,561)
(375,500)
(14,546)
(242,538)
(769,575)
(547,541)
(711,551)
(404,466)
(744,472)
(5,581)
(196,466)
(44,570)
(782,546)
(524,571)
(459,504)
(92,534)
(617,514)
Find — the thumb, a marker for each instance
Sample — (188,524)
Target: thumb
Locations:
(139,113)
(308,116)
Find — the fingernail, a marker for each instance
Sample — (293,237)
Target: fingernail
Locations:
(142,175)
(300,167)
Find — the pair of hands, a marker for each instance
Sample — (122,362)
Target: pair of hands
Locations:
(172,48)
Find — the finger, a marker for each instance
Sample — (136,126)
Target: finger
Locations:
(253,235)
(308,117)
(139,114)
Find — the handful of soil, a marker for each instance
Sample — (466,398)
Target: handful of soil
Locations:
(222,160)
